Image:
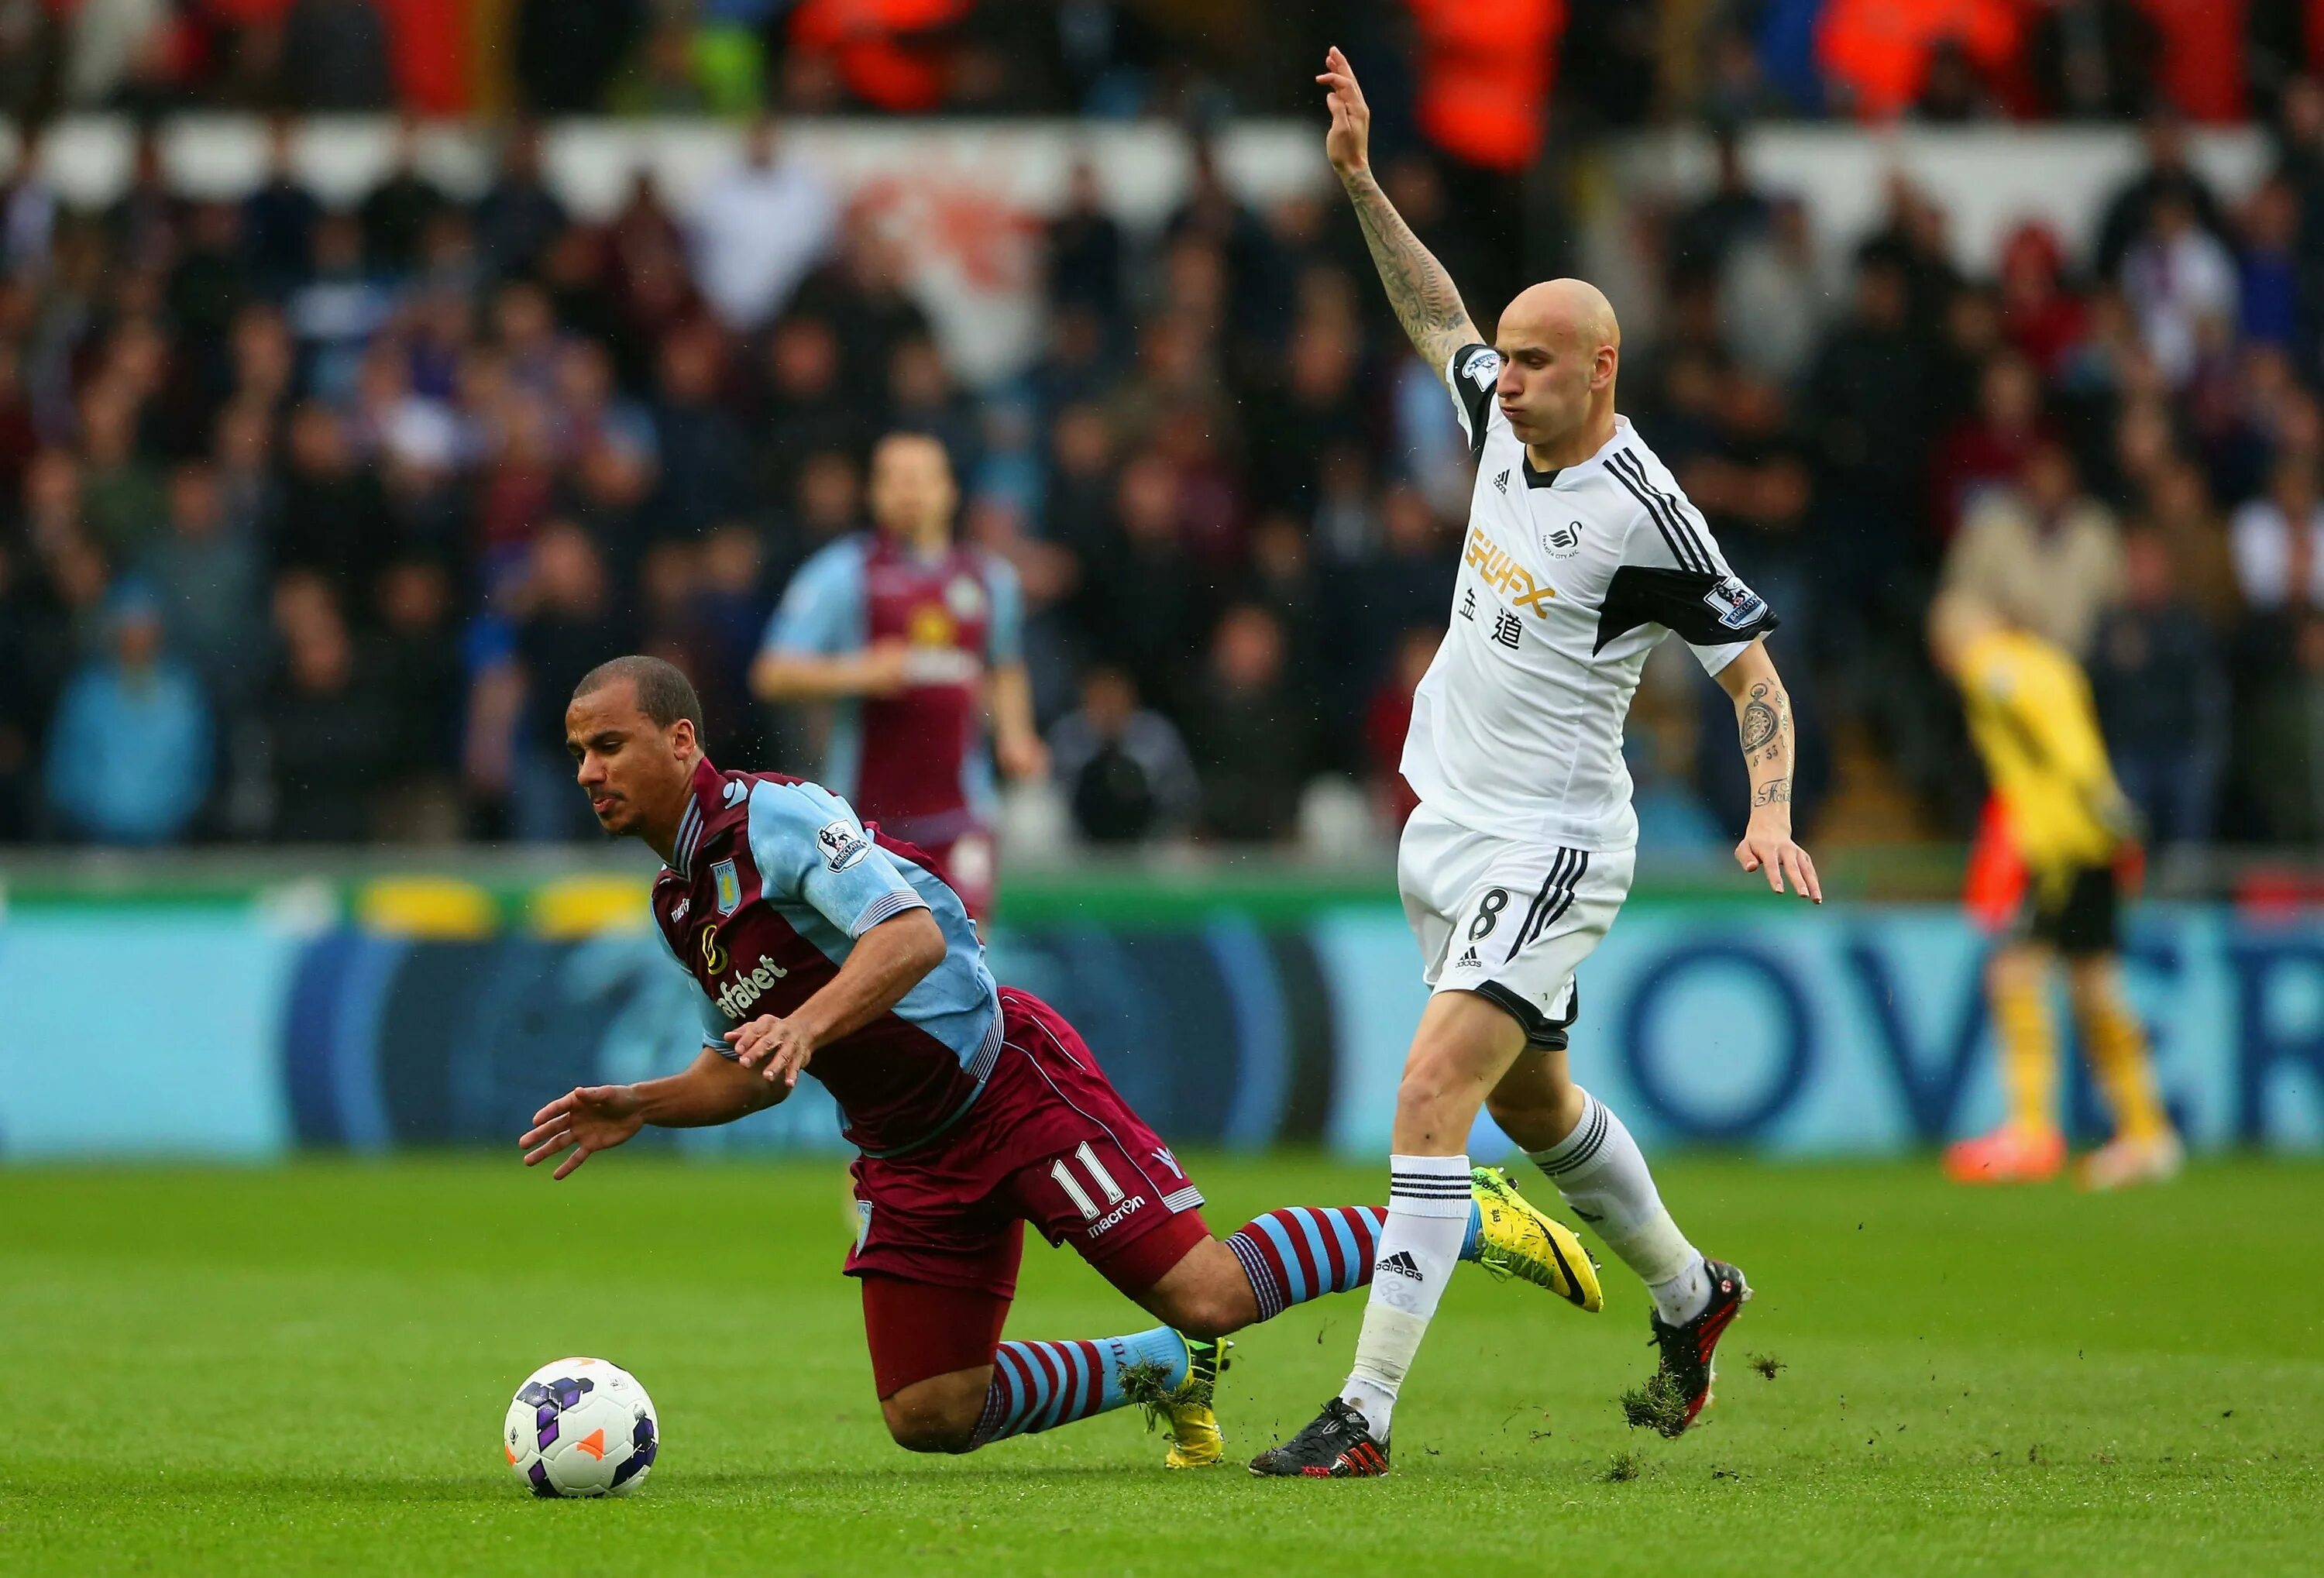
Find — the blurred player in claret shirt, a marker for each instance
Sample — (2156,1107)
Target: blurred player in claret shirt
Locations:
(915,639)
(817,946)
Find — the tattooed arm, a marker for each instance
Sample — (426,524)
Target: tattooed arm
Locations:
(1425,301)
(1763,722)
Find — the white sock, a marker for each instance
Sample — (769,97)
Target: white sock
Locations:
(1601,1174)
(1427,1218)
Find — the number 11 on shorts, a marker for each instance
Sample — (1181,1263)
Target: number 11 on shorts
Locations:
(1089,1209)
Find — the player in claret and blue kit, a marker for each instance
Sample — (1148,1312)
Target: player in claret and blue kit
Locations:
(821,946)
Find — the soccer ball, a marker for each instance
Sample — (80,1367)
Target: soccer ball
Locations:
(581,1427)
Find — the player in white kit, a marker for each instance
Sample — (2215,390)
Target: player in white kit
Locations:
(1582,553)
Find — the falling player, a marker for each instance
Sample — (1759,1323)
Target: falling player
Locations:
(2065,818)
(1580,555)
(914,638)
(824,948)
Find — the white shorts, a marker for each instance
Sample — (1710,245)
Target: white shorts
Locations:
(1508,921)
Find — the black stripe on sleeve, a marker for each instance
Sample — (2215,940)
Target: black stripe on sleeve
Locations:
(1690,554)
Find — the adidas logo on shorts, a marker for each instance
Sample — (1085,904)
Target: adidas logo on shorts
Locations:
(1468,961)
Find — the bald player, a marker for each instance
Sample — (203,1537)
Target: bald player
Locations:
(1581,554)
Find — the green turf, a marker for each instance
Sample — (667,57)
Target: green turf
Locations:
(303,1370)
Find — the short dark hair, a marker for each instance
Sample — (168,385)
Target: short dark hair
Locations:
(664,692)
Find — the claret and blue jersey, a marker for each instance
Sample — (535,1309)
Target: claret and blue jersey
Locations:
(771,881)
(914,760)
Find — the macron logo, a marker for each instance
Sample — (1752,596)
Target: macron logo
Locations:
(1401,1263)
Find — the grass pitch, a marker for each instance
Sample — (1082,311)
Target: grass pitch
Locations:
(302,1370)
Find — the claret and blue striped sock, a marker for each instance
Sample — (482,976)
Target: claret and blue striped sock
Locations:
(1306,1252)
(1039,1386)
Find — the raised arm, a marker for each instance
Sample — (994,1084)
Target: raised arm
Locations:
(1426,301)
(1763,722)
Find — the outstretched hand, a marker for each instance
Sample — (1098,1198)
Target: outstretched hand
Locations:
(1348,145)
(1772,851)
(591,1119)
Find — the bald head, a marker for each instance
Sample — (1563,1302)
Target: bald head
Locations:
(1561,349)
(1574,312)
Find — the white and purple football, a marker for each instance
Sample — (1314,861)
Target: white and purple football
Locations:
(581,1427)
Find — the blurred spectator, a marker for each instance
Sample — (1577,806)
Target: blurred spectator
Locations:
(1953,91)
(333,519)
(2269,286)
(1732,212)
(330,730)
(1087,252)
(2180,281)
(1249,732)
(2044,554)
(1142,594)
(757,230)
(336,51)
(2093,60)
(565,52)
(1122,767)
(205,574)
(420,683)
(397,212)
(129,752)
(279,217)
(1989,449)
(2043,318)
(1388,719)
(2129,213)
(2161,695)
(2278,540)
(518,214)
(1866,394)
(1773,295)
(565,625)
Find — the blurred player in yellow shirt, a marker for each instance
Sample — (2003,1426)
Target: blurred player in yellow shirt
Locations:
(2030,717)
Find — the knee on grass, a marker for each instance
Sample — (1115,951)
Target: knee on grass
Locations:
(930,1424)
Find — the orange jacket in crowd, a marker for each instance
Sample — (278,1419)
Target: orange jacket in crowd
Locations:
(1485,71)
(880,48)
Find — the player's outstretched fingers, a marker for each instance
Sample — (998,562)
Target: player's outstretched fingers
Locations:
(580,1154)
(546,1148)
(1803,874)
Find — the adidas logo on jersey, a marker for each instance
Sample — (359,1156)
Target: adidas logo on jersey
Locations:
(1501,485)
(1401,1263)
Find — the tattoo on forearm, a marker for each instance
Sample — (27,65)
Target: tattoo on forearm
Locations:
(1759,720)
(1765,727)
(1776,792)
(1426,299)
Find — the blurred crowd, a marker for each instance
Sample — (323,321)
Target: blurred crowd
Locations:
(1476,73)
(2115,438)
(312,515)
(307,515)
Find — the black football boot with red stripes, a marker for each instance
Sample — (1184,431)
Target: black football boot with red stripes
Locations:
(1338,1445)
(1682,1381)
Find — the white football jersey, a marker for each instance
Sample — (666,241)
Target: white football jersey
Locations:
(1567,579)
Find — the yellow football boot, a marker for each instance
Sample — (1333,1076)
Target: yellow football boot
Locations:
(1516,1238)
